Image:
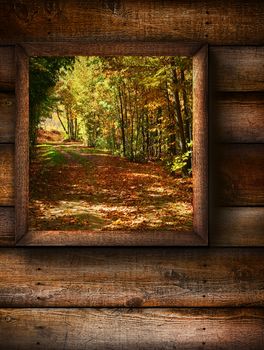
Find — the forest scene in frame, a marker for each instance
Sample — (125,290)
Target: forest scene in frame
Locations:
(111,143)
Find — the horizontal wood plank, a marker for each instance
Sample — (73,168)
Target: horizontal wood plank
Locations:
(104,277)
(239,174)
(6,174)
(7,67)
(238,68)
(7,226)
(7,118)
(238,226)
(111,238)
(133,20)
(112,48)
(239,117)
(132,329)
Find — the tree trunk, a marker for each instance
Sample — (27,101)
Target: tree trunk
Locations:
(171,126)
(187,112)
(188,117)
(75,129)
(58,115)
(122,123)
(178,112)
(177,106)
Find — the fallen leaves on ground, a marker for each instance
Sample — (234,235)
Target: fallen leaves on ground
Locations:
(83,189)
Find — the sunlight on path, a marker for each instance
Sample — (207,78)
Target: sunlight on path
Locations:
(74,187)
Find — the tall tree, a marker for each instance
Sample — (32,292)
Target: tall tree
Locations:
(44,73)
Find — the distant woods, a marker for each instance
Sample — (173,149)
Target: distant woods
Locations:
(44,73)
(137,107)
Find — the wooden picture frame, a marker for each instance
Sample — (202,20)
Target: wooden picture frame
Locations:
(199,235)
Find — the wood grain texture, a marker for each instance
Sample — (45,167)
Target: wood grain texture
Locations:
(111,238)
(7,68)
(239,117)
(131,277)
(145,277)
(238,227)
(22,143)
(202,21)
(7,118)
(78,48)
(239,174)
(7,226)
(200,141)
(6,174)
(102,329)
(238,68)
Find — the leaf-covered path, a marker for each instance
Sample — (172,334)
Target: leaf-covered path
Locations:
(75,187)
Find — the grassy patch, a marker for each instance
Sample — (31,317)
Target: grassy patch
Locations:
(91,150)
(51,155)
(79,158)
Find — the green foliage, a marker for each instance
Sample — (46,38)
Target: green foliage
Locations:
(44,73)
(138,107)
(181,161)
(51,155)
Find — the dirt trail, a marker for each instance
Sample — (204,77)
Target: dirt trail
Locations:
(74,187)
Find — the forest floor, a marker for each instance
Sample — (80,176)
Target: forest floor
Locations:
(73,187)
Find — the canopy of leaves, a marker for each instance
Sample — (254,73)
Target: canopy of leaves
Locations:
(138,107)
(44,73)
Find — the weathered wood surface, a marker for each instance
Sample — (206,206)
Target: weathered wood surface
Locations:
(200,139)
(78,48)
(239,173)
(7,68)
(111,238)
(239,117)
(7,118)
(139,20)
(6,174)
(22,143)
(238,68)
(79,277)
(104,277)
(238,226)
(187,329)
(7,226)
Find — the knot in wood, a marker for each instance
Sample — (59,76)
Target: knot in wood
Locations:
(53,8)
(174,275)
(113,5)
(134,302)
(21,11)
(25,12)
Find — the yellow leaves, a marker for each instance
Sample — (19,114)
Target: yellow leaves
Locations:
(117,222)
(153,105)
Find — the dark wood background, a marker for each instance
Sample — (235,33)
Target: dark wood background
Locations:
(147,298)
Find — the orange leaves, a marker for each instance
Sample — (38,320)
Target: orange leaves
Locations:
(96,191)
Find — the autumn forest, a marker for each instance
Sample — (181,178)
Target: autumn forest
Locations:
(110,143)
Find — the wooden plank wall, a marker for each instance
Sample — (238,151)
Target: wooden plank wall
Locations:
(237,149)
(142,298)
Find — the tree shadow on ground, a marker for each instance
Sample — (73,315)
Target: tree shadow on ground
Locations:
(109,191)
